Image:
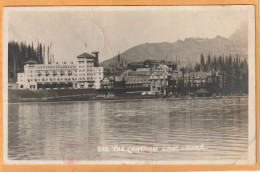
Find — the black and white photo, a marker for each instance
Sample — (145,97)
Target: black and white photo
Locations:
(129,85)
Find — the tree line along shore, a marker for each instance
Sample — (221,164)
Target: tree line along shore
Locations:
(227,75)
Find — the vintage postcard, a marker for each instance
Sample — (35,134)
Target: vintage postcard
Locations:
(143,85)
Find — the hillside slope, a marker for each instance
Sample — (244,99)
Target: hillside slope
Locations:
(187,50)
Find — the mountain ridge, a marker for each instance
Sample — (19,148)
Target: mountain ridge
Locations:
(187,50)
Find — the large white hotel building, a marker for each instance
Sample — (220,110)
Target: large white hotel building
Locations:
(86,73)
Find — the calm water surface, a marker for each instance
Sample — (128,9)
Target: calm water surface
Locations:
(74,130)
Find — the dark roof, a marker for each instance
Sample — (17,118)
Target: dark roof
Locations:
(202,91)
(170,63)
(151,61)
(30,62)
(137,79)
(85,55)
(110,78)
(136,63)
(114,78)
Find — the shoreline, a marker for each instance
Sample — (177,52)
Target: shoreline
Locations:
(72,95)
(68,99)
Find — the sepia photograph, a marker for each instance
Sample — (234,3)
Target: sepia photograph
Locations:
(129,85)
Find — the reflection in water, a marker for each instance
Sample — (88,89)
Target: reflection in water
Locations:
(74,130)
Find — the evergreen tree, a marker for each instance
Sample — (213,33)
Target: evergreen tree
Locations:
(197,67)
(18,54)
(215,63)
(208,61)
(202,63)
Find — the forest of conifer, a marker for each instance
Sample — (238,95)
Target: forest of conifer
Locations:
(19,53)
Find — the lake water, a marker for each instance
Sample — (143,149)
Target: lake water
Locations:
(192,129)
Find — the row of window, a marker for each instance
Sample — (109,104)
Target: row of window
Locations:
(158,77)
(56,75)
(55,67)
(88,66)
(139,80)
(60,79)
(88,70)
(64,74)
(137,86)
(89,78)
(83,61)
(70,73)
(46,71)
(53,71)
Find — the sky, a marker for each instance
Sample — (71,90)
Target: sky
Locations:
(110,30)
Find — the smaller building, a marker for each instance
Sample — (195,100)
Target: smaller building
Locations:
(160,79)
(151,64)
(175,81)
(113,82)
(107,82)
(138,80)
(135,65)
(202,92)
(159,82)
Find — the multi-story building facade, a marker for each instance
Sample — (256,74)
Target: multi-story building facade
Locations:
(160,78)
(85,73)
